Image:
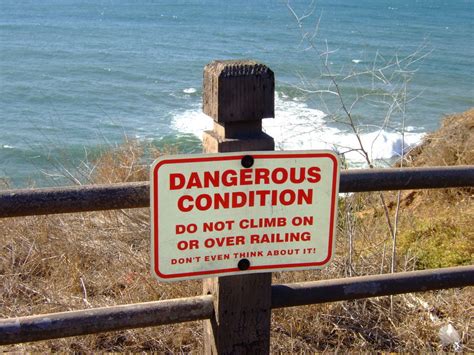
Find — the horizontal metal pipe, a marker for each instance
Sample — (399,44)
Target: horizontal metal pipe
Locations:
(359,180)
(299,294)
(66,324)
(58,325)
(29,202)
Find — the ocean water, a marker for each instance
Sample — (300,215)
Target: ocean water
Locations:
(78,76)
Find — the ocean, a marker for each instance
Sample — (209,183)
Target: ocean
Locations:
(80,76)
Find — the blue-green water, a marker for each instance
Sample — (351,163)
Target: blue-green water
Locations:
(80,75)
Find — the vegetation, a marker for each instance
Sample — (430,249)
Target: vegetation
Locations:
(79,261)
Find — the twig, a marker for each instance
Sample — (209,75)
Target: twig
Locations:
(84,290)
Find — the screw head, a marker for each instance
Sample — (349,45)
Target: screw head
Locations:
(243,264)
(247,161)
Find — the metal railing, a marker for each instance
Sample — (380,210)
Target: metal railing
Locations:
(135,195)
(29,202)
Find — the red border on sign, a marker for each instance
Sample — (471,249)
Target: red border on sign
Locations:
(239,157)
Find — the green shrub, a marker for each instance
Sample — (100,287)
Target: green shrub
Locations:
(435,244)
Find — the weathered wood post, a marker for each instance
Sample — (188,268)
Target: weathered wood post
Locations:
(238,95)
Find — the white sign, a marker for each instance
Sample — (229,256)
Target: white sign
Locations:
(246,212)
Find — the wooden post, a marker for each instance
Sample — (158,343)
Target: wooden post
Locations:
(238,95)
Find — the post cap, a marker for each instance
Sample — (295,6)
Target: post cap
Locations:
(238,90)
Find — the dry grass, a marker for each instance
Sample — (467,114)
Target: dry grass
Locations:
(452,144)
(80,261)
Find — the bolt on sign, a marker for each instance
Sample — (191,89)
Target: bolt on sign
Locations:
(237,213)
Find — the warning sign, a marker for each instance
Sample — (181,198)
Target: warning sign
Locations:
(236,213)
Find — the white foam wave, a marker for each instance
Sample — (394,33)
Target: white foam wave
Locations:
(356,61)
(6,146)
(380,145)
(192,121)
(189,91)
(299,127)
